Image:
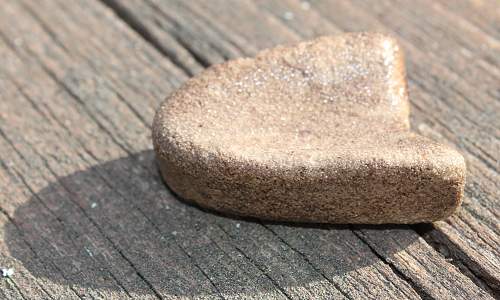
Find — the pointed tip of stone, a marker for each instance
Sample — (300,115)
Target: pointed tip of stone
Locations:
(317,132)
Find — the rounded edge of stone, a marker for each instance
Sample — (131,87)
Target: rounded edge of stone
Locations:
(457,170)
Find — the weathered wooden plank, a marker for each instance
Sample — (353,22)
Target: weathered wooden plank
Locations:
(464,239)
(123,245)
(118,249)
(94,85)
(481,13)
(27,284)
(224,17)
(420,263)
(51,246)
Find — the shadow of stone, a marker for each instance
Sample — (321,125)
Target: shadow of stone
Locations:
(115,226)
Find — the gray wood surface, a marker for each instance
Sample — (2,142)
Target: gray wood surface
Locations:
(84,213)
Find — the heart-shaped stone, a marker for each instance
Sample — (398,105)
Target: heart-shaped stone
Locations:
(317,132)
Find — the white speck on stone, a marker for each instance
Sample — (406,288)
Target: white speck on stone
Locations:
(288,15)
(7,272)
(174,232)
(93,205)
(305,5)
(237,225)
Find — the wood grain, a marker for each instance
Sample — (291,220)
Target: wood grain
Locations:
(83,209)
(455,118)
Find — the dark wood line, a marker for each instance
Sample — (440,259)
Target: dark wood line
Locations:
(130,19)
(304,257)
(418,289)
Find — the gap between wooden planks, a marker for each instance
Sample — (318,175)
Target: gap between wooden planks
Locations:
(89,102)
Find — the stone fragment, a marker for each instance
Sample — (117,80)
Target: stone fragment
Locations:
(316,132)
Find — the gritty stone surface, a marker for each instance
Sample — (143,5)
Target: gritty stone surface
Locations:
(316,132)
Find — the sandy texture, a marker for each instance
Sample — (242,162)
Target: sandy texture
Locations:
(317,132)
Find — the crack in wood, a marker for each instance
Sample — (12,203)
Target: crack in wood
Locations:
(14,223)
(35,195)
(280,288)
(420,291)
(453,254)
(306,259)
(129,18)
